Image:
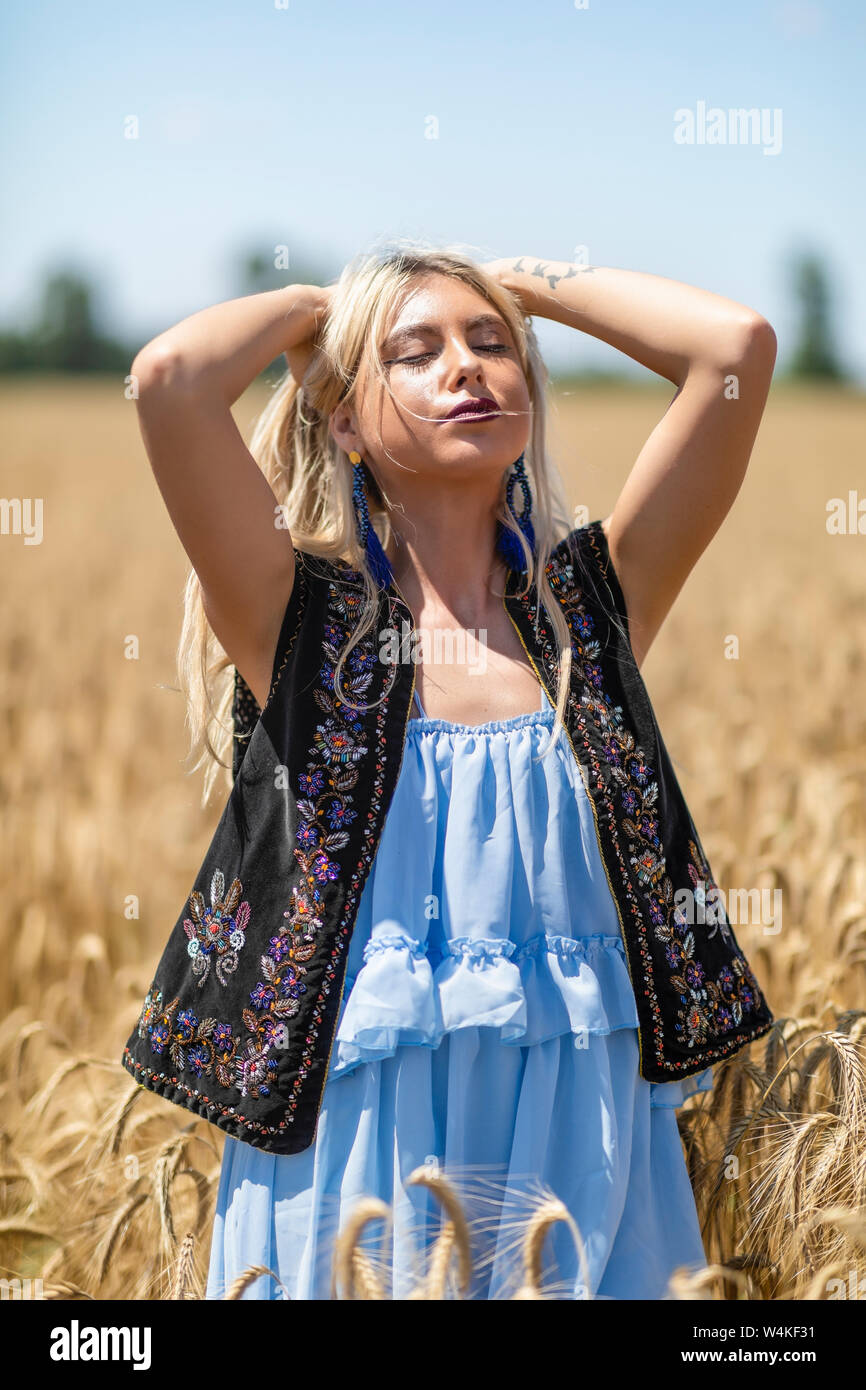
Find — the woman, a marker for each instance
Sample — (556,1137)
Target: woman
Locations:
(487,1023)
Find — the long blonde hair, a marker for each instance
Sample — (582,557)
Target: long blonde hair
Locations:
(311,476)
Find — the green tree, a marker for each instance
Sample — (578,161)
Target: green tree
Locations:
(64,337)
(815,355)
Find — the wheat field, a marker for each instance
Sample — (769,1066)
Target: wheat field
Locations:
(108,1191)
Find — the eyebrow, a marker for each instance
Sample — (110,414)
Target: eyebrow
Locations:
(410,330)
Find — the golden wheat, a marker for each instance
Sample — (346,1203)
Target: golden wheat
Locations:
(107,1191)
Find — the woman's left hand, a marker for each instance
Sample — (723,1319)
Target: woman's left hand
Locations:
(503,272)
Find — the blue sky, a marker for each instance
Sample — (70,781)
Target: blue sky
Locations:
(304,123)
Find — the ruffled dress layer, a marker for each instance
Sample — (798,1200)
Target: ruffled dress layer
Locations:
(487,1030)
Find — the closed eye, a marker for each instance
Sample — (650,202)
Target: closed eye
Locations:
(421,358)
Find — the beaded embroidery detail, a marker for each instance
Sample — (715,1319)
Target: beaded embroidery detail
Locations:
(206,1047)
(217,932)
(332,772)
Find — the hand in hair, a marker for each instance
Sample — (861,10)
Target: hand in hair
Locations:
(299,355)
(503,273)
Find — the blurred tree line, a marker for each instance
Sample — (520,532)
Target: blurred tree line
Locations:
(65,335)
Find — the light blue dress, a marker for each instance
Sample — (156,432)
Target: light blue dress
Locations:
(487,1029)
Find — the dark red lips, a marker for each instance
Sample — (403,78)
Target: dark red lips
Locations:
(475,405)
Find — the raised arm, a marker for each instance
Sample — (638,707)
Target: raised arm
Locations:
(222,506)
(720,356)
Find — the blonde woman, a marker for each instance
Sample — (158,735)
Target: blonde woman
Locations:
(447,917)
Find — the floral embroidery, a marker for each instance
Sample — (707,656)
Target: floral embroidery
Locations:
(708,1008)
(699,873)
(206,1047)
(219,931)
(324,807)
(331,788)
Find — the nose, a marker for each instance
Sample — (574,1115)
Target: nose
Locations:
(465,362)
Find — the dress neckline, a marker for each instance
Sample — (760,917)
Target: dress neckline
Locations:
(543,715)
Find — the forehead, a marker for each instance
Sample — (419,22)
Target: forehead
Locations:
(436,302)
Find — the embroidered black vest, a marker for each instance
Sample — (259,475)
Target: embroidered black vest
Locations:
(239,1023)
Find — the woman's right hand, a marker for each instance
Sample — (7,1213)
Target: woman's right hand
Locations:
(299,355)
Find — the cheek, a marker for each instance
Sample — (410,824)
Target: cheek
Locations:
(414,396)
(517,385)
(393,419)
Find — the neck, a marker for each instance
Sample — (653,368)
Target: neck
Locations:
(445,555)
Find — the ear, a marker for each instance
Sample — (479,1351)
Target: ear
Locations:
(344,429)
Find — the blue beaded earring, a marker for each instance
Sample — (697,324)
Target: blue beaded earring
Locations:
(507,543)
(380,566)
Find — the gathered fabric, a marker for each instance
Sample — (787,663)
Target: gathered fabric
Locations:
(487,1031)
